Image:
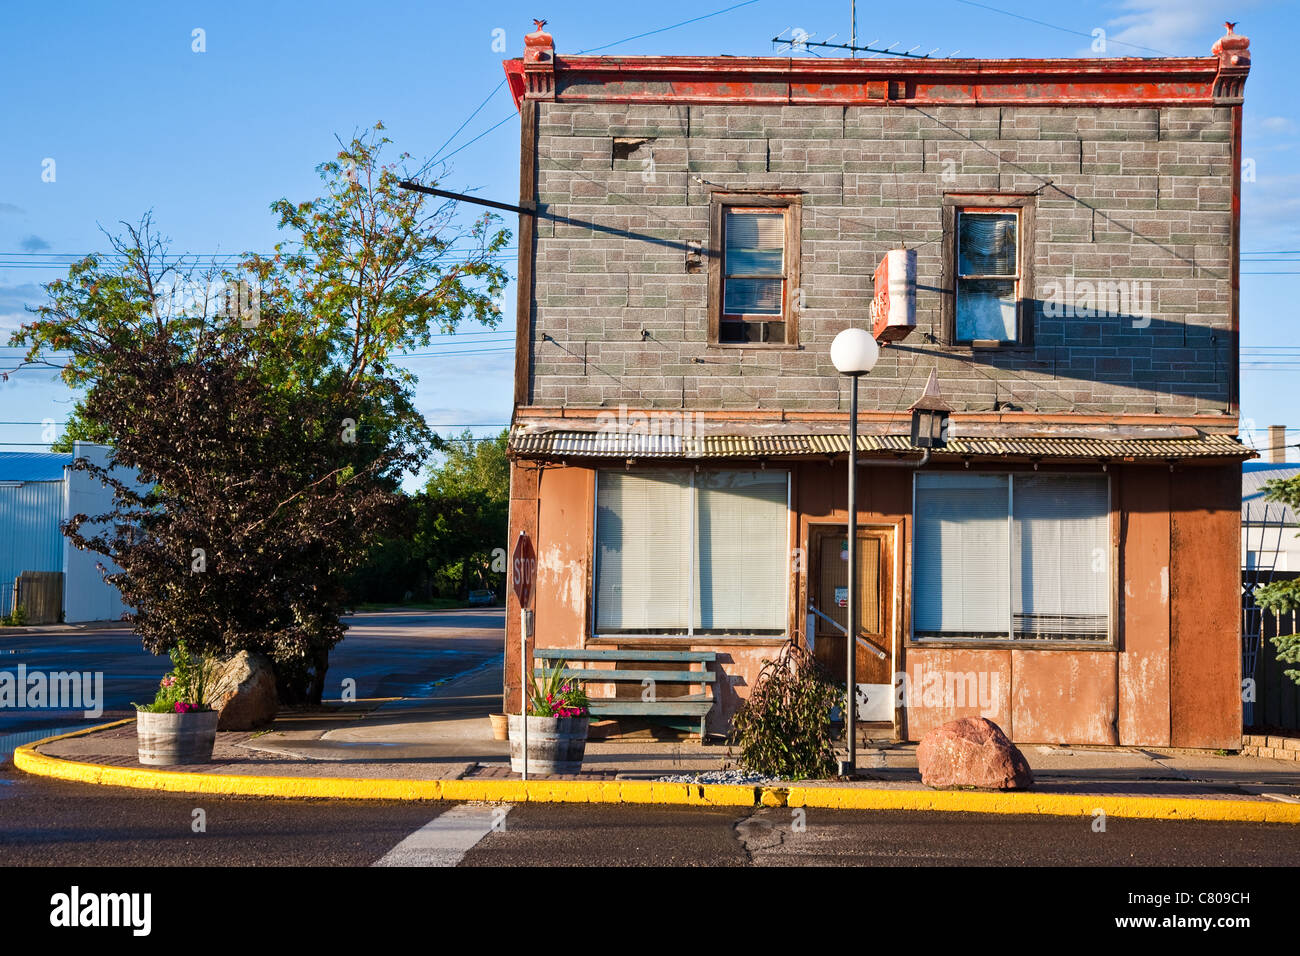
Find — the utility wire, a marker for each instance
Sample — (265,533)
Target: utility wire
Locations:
(1054,26)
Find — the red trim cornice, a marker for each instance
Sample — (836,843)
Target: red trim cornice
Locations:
(799,81)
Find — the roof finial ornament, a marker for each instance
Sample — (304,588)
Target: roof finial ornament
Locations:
(542,23)
(1232,49)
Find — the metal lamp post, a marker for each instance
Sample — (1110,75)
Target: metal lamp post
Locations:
(854,353)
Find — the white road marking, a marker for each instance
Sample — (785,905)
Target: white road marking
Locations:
(445,839)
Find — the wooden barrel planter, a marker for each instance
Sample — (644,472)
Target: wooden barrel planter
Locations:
(555,744)
(163,740)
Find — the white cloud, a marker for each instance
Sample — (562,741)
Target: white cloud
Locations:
(1277,124)
(1175,27)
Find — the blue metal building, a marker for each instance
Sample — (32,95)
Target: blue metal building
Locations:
(38,492)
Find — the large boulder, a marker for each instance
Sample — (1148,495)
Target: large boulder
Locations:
(242,691)
(972,752)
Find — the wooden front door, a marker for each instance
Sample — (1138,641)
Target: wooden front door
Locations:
(828,576)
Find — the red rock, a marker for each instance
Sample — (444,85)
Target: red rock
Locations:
(972,752)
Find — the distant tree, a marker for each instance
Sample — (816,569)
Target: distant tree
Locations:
(452,535)
(466,512)
(1282,597)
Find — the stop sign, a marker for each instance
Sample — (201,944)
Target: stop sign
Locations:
(523,569)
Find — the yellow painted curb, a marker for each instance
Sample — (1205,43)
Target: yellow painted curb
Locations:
(1058,804)
(28,759)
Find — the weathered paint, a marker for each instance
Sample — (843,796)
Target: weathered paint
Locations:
(1064,696)
(1114,82)
(1165,683)
(939,682)
(523,518)
(1143,494)
(1205,646)
(563,534)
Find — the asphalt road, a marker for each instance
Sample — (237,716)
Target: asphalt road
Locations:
(388,654)
(49,823)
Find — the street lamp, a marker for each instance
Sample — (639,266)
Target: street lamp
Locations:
(930,417)
(854,353)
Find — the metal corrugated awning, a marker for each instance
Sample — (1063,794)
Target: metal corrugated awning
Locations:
(638,445)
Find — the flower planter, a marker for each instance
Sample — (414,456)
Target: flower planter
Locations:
(163,740)
(499,726)
(555,744)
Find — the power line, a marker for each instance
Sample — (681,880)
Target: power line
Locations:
(434,157)
(681,23)
(1054,26)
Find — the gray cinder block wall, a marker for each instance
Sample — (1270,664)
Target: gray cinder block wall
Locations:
(1124,194)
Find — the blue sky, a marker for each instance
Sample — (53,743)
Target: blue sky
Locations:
(135,120)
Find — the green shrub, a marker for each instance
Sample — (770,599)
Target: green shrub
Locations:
(784,728)
(15,619)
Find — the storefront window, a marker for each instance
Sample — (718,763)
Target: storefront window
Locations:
(682,552)
(1011,557)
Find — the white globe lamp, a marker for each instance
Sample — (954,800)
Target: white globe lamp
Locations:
(854,352)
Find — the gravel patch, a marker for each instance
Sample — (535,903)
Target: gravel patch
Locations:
(720,776)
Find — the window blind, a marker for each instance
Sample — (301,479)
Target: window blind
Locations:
(741,543)
(987,246)
(653,528)
(754,263)
(960,545)
(643,541)
(1060,557)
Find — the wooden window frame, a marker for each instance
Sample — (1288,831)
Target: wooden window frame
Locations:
(1006,641)
(792,205)
(1023,205)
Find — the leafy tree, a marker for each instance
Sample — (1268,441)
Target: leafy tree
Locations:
(274,421)
(1282,597)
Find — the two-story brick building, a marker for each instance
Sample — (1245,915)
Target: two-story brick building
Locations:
(1067,564)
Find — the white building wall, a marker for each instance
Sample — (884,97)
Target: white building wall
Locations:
(86,596)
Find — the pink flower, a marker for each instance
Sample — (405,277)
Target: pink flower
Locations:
(168,681)
(184,708)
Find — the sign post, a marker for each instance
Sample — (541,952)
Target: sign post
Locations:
(523,569)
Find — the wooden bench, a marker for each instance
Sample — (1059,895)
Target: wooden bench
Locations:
(688,706)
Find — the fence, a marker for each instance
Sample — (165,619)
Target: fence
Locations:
(1277,697)
(40,595)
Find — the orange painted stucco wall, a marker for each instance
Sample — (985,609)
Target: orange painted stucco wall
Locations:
(1172,680)
(1205,631)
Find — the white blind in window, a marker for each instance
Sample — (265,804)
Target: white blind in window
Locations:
(755,248)
(643,542)
(1060,556)
(960,546)
(755,243)
(741,543)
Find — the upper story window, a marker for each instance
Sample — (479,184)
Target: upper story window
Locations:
(988,274)
(754,269)
(988,243)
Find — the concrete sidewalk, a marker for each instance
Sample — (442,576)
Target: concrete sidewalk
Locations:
(447,736)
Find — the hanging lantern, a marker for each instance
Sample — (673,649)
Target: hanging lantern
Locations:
(930,417)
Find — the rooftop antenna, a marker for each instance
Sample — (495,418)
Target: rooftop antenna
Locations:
(801,42)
